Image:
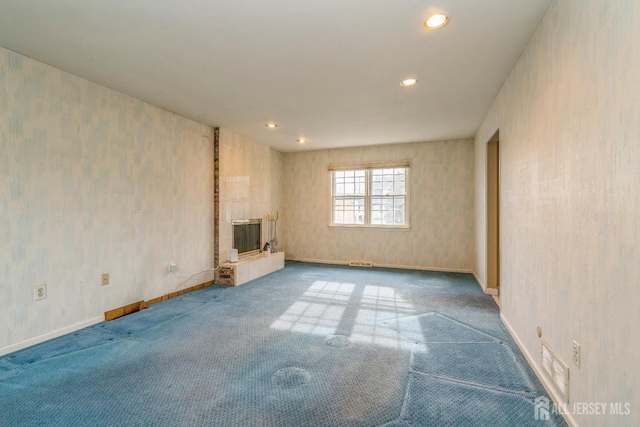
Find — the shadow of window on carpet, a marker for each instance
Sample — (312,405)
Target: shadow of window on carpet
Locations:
(357,311)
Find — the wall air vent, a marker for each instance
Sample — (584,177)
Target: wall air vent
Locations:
(360,264)
(557,371)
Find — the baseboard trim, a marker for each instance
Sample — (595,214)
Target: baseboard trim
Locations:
(50,335)
(123,311)
(491,291)
(396,266)
(414,267)
(187,290)
(321,261)
(480,282)
(548,386)
(141,305)
(108,315)
(485,289)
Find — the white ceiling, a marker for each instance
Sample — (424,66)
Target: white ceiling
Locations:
(328,70)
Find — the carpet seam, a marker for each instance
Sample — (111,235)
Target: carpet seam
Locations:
(523,394)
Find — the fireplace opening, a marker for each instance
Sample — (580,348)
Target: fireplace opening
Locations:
(247,236)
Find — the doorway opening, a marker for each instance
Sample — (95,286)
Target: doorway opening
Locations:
(493,214)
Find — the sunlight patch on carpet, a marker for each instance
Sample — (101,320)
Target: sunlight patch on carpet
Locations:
(326,308)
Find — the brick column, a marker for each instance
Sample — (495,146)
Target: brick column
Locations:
(216,200)
(225,276)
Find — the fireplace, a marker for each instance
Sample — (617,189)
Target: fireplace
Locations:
(247,236)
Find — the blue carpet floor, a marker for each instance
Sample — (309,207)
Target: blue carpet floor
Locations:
(310,345)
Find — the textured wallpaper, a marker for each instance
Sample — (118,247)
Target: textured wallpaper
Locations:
(250,186)
(441,208)
(570,195)
(92,182)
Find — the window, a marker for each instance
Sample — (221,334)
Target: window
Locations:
(372,196)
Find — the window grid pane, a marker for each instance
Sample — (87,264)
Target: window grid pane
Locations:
(388,210)
(348,210)
(384,203)
(349,183)
(388,182)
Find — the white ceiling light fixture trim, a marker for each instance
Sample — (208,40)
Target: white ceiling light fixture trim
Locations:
(408,82)
(436,21)
(302,140)
(271,125)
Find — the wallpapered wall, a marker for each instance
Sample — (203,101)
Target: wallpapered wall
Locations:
(250,186)
(570,195)
(92,182)
(441,213)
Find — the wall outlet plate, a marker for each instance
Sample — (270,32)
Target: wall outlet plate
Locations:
(105,279)
(575,353)
(40,292)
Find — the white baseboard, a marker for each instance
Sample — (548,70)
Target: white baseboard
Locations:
(46,337)
(417,267)
(485,289)
(491,291)
(480,282)
(549,387)
(322,261)
(397,266)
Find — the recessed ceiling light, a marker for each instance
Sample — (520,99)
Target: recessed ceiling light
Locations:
(271,125)
(301,140)
(436,21)
(408,82)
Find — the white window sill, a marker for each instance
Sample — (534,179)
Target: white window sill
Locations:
(370,227)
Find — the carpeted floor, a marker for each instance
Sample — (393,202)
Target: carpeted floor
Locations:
(310,345)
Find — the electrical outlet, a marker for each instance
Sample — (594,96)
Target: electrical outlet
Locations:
(40,292)
(576,354)
(105,279)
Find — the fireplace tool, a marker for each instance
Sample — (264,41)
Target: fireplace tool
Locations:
(273,239)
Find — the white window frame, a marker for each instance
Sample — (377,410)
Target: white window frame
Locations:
(368,168)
